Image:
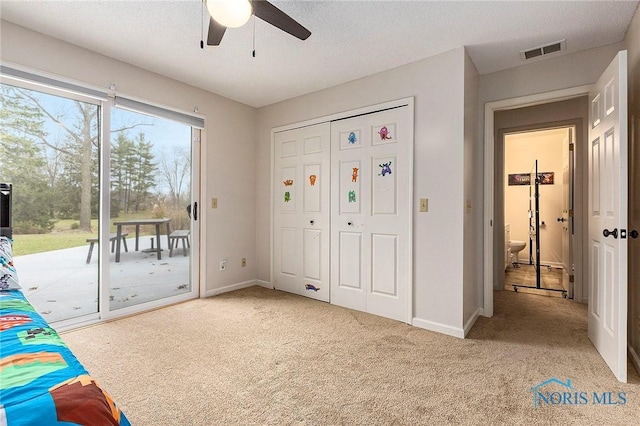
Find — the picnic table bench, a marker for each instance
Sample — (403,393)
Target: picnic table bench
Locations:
(179,234)
(112,238)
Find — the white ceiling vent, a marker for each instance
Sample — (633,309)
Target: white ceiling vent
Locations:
(556,46)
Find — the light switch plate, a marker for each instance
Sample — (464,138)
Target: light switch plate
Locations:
(424,204)
(214,203)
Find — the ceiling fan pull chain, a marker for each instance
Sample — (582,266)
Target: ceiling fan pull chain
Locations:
(254,36)
(202,26)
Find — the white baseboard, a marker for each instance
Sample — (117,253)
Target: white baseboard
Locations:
(635,359)
(229,288)
(265,284)
(471,321)
(439,328)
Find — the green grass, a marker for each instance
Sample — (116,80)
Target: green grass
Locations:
(64,236)
(39,243)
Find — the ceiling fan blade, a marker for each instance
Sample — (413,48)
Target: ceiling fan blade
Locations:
(216,31)
(271,14)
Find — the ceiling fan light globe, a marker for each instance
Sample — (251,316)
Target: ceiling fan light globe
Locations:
(230,13)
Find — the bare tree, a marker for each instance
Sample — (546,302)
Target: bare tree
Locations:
(80,144)
(176,172)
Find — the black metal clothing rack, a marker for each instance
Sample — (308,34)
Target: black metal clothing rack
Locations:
(534,220)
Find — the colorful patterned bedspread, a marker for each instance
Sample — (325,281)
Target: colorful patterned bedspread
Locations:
(41,381)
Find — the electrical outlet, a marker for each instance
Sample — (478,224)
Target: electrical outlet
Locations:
(424,204)
(223,265)
(244,262)
(214,203)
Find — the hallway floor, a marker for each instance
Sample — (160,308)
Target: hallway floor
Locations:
(526,275)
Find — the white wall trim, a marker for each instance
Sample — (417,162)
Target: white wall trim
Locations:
(229,288)
(344,114)
(439,328)
(410,287)
(471,321)
(489,147)
(202,215)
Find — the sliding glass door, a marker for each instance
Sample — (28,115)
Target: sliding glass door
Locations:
(49,153)
(150,213)
(105,195)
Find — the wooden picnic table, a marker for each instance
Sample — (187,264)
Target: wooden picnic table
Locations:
(138,223)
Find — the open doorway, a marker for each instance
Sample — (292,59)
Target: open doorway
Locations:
(564,113)
(538,211)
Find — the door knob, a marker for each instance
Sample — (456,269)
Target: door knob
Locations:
(311,222)
(561,219)
(349,223)
(606,232)
(633,234)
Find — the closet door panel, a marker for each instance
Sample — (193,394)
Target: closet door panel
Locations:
(384,261)
(376,206)
(301,211)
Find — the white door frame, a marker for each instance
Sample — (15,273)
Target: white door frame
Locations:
(409,102)
(489,166)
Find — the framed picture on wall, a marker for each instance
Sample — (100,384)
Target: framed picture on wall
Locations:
(545,178)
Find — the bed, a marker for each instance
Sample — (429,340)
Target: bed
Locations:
(41,381)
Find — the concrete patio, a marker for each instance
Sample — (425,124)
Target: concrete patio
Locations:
(61,285)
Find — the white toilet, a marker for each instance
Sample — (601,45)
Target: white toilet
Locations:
(516,247)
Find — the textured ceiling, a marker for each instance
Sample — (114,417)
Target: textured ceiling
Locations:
(350,39)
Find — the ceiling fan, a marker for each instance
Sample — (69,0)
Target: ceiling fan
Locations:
(226,10)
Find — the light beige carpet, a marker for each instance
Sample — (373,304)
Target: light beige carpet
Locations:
(264,357)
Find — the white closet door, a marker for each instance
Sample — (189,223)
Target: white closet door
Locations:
(371,213)
(301,211)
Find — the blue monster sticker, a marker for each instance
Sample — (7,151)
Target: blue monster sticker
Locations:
(386,169)
(311,287)
(352,138)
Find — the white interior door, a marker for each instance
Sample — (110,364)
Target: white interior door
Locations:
(608,216)
(371,213)
(301,211)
